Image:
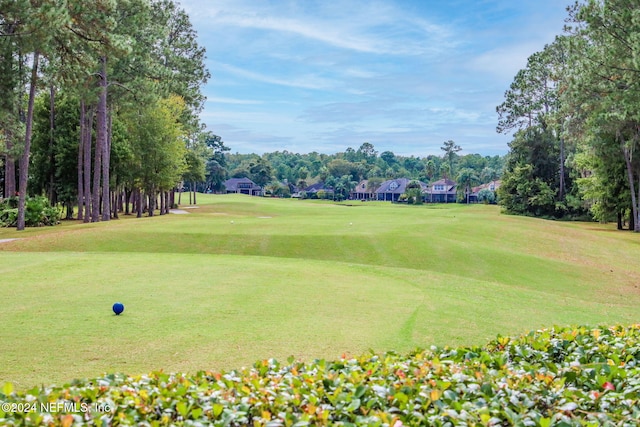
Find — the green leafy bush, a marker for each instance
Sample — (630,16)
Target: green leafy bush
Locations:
(412,195)
(561,376)
(38,212)
(8,216)
(486,196)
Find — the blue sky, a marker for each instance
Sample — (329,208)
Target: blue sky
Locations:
(405,75)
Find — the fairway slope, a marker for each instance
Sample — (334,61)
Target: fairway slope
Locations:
(242,279)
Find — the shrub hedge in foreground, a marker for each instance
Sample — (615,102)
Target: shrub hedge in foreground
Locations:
(559,376)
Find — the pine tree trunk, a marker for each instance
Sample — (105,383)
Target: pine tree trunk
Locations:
(9,170)
(115,197)
(24,160)
(97,169)
(634,199)
(86,146)
(80,164)
(562,184)
(127,199)
(620,225)
(138,203)
(103,135)
(162,203)
(51,190)
(636,218)
(152,202)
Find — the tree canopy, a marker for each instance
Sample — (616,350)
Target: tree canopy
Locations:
(575,111)
(115,62)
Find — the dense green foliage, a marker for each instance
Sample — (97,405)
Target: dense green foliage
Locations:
(559,376)
(486,196)
(575,112)
(539,173)
(38,212)
(90,70)
(344,170)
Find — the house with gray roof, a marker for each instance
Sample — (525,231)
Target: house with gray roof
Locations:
(442,191)
(313,190)
(362,191)
(491,186)
(242,186)
(392,189)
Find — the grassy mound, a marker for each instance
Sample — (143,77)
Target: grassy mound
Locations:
(558,376)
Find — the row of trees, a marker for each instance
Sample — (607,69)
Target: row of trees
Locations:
(100,103)
(280,171)
(576,112)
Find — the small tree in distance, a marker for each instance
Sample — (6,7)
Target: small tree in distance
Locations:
(414,193)
(450,149)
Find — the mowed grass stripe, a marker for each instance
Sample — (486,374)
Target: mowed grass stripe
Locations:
(191,312)
(467,242)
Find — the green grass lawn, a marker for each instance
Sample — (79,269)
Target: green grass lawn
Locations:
(241,279)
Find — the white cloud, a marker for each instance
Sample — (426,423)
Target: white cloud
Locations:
(360,73)
(505,61)
(308,81)
(263,119)
(220,100)
(325,75)
(376,27)
(304,29)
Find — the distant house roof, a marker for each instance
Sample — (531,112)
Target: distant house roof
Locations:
(398,186)
(445,181)
(362,186)
(446,184)
(318,186)
(236,184)
(493,186)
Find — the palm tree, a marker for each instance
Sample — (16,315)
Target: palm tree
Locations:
(489,174)
(430,169)
(467,177)
(450,149)
(273,187)
(303,174)
(445,171)
(343,187)
(373,184)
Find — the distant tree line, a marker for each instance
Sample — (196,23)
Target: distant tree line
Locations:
(282,171)
(576,115)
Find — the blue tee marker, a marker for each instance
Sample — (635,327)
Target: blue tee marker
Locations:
(118,308)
